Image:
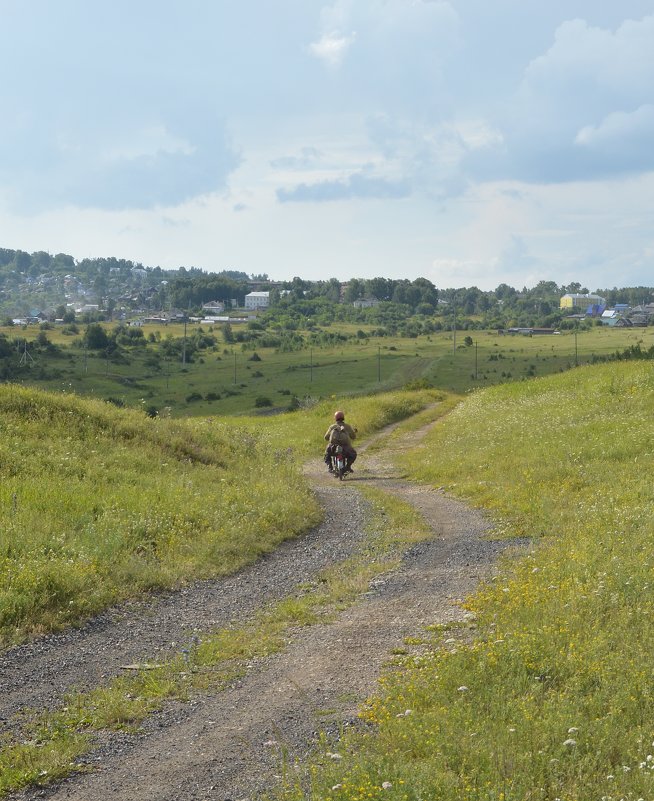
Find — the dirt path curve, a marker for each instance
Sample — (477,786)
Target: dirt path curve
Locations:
(230,745)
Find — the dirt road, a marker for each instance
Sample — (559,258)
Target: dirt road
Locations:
(232,744)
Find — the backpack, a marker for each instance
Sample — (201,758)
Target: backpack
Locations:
(339,436)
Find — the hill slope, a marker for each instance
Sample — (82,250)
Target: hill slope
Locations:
(553,698)
(97,504)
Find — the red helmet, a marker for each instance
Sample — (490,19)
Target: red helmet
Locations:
(339,415)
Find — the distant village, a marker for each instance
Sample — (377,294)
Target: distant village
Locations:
(580,307)
(589,306)
(40,288)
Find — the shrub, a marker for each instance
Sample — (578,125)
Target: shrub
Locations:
(194,396)
(262,401)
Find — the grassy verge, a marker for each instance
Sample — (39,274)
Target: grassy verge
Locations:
(368,414)
(50,744)
(97,504)
(554,697)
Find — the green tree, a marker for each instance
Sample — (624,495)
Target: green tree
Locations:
(354,290)
(228,334)
(95,337)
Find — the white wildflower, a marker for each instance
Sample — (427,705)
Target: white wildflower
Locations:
(570,743)
(387,785)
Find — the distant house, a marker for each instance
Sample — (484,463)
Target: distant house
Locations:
(213,307)
(257,300)
(610,317)
(365,303)
(527,332)
(646,309)
(575,300)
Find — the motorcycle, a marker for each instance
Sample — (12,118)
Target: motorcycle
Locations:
(339,462)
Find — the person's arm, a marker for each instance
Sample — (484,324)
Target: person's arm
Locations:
(329,431)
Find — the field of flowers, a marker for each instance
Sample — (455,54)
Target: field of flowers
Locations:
(547,691)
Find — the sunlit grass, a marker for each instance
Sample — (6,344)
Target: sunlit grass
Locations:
(369,414)
(222,379)
(554,697)
(97,504)
(53,741)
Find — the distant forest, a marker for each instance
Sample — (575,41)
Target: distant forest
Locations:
(45,283)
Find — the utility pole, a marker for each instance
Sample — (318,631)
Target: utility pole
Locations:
(378,363)
(476,360)
(234,352)
(26,357)
(311,366)
(184,344)
(454,329)
(576,351)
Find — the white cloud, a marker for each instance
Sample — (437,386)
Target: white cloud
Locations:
(620,130)
(332,48)
(590,87)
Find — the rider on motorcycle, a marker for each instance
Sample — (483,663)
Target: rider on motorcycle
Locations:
(350,453)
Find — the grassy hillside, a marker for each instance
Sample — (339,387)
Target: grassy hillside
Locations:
(548,692)
(98,503)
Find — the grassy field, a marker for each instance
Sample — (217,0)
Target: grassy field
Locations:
(99,503)
(224,380)
(547,692)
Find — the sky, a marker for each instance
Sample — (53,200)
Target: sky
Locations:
(466,141)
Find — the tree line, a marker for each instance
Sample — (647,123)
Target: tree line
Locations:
(37,279)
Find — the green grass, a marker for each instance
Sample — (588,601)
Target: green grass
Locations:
(98,504)
(358,366)
(369,414)
(51,743)
(553,697)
